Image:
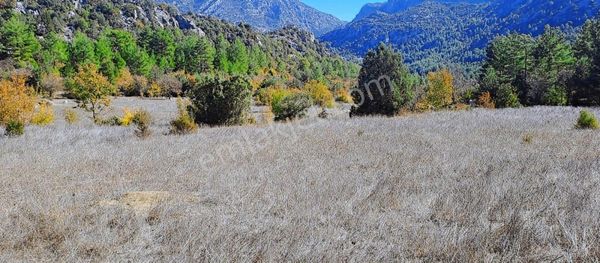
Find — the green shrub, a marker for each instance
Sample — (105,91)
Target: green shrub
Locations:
(15,128)
(587,120)
(221,101)
(556,96)
(292,106)
(142,121)
(111,121)
(507,97)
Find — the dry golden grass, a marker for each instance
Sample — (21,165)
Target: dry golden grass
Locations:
(447,186)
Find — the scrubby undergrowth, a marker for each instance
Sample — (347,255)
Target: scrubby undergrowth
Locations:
(449,186)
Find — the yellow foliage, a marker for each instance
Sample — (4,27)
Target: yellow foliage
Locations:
(71,116)
(343,95)
(128,117)
(125,82)
(266,96)
(44,116)
(320,94)
(92,89)
(17,100)
(155,90)
(278,94)
(441,88)
(485,101)
(422,106)
(185,77)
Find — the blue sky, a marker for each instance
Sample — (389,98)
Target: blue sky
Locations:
(343,9)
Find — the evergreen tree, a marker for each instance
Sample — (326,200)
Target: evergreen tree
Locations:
(55,54)
(222,62)
(160,44)
(195,55)
(18,41)
(509,62)
(585,85)
(258,59)
(82,50)
(105,56)
(384,85)
(554,62)
(239,58)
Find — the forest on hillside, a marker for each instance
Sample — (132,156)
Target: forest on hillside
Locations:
(136,47)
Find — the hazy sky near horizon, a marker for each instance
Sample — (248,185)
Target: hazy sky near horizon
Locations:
(343,9)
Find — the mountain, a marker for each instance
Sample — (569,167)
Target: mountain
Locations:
(266,15)
(394,6)
(92,17)
(442,32)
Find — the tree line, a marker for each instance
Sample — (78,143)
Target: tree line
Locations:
(151,54)
(521,70)
(518,70)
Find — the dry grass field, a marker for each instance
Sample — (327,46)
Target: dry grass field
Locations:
(481,185)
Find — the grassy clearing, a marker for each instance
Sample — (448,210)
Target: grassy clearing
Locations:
(449,186)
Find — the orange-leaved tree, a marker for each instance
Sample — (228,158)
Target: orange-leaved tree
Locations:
(17,100)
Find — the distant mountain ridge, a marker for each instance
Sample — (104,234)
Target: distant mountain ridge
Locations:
(265,15)
(439,32)
(394,6)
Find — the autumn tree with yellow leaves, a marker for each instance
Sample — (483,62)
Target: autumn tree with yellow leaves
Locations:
(91,89)
(440,89)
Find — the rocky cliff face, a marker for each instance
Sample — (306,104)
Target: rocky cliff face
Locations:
(266,15)
(92,16)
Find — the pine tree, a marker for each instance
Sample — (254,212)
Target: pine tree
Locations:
(384,85)
(239,57)
(222,62)
(105,56)
(82,50)
(55,54)
(18,41)
(195,55)
(585,85)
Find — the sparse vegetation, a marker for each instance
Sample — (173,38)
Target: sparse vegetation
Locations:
(184,123)
(142,120)
(444,186)
(44,115)
(128,117)
(71,116)
(587,120)
(15,128)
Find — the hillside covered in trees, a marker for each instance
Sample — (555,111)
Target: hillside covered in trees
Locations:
(443,32)
(151,49)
